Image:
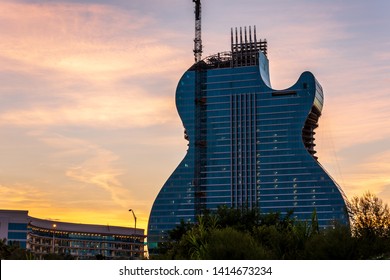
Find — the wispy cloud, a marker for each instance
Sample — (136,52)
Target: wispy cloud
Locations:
(372,174)
(22,196)
(99,172)
(355,118)
(95,166)
(82,53)
(79,179)
(103,110)
(68,36)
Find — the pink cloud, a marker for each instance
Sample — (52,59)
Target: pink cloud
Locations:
(96,46)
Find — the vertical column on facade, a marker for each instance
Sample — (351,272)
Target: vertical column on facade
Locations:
(234,150)
(255,151)
(249,154)
(252,159)
(244,142)
(200,139)
(239,148)
(243,151)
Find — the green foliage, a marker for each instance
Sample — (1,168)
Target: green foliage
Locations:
(334,243)
(12,251)
(169,250)
(240,219)
(248,234)
(370,225)
(369,216)
(231,244)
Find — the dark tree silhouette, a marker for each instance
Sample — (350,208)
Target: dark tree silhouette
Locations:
(369,216)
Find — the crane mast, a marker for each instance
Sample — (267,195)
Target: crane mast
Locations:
(198,32)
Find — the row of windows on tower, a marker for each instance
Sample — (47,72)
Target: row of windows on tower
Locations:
(264,201)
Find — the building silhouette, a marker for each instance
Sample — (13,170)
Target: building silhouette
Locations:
(249,146)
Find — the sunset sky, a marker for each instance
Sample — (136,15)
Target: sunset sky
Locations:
(88,124)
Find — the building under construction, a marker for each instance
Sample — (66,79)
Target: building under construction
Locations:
(249,146)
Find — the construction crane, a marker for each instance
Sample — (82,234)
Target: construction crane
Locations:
(198,32)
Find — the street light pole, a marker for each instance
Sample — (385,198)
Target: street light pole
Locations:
(135,220)
(54,227)
(135,229)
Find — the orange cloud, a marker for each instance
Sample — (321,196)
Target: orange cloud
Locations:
(90,188)
(92,165)
(79,55)
(370,175)
(22,195)
(103,111)
(96,40)
(356,118)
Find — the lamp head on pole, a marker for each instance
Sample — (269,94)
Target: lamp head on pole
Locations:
(132,211)
(135,219)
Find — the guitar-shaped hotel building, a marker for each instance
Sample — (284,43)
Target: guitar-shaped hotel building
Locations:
(249,146)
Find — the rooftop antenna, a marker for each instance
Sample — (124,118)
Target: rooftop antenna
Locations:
(198,32)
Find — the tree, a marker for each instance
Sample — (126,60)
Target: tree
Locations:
(4,249)
(333,243)
(196,239)
(241,219)
(12,251)
(231,244)
(169,249)
(369,216)
(248,234)
(370,225)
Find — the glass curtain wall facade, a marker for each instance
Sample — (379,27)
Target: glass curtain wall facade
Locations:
(249,145)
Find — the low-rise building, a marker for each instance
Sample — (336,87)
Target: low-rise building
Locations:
(80,241)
